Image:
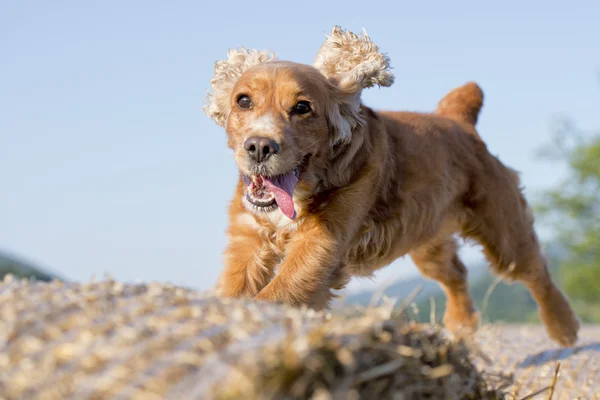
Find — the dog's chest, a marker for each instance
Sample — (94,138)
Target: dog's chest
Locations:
(274,227)
(278,234)
(280,222)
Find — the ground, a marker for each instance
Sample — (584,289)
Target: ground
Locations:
(526,350)
(109,339)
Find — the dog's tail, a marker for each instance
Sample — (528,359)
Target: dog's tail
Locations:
(462,104)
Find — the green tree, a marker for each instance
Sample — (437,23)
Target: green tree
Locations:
(572,209)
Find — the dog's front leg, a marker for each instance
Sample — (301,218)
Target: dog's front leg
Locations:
(309,270)
(249,261)
(312,263)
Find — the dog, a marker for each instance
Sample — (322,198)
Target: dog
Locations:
(330,189)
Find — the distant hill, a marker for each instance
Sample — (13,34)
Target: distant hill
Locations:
(404,287)
(10,264)
(507,302)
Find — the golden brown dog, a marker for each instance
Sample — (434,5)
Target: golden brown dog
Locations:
(329,188)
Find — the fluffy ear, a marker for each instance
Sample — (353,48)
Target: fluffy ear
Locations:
(351,63)
(227,72)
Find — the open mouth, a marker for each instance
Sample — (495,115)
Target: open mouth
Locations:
(268,193)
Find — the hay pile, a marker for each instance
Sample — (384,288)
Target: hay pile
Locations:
(109,340)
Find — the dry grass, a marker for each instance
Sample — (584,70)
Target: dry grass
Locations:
(111,340)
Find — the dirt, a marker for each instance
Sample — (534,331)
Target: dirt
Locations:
(526,351)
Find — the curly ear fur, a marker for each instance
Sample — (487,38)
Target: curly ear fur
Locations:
(227,72)
(353,62)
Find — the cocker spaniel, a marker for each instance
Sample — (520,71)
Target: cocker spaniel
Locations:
(330,188)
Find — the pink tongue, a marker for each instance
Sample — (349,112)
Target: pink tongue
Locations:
(283,189)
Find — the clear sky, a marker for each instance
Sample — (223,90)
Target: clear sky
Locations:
(108,164)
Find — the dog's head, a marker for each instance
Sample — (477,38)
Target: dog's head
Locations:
(284,119)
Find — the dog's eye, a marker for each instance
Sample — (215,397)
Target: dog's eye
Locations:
(302,107)
(244,101)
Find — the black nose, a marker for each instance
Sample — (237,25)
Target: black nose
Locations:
(260,148)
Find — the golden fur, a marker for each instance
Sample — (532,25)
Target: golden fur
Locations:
(374,186)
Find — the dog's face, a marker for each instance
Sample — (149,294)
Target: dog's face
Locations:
(277,123)
(284,118)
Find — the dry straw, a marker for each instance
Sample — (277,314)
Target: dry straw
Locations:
(111,340)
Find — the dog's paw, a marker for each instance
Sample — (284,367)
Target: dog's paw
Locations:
(462,322)
(565,332)
(559,318)
(561,323)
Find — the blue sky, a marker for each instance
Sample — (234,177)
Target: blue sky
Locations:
(108,165)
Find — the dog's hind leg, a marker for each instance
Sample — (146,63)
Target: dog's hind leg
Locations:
(503,224)
(438,260)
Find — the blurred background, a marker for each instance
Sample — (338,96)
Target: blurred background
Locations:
(109,166)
